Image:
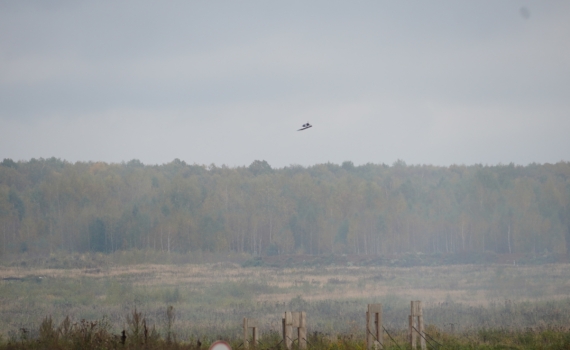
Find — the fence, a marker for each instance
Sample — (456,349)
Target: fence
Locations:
(295,329)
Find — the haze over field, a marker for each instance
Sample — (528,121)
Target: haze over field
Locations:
(228,83)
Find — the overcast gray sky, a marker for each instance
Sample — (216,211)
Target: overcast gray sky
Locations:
(229,82)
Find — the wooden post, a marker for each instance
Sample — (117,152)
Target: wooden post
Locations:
(374,331)
(245,335)
(302,331)
(416,321)
(247,324)
(295,325)
(288,330)
(411,333)
(369,338)
(284,325)
(422,330)
(296,320)
(255,336)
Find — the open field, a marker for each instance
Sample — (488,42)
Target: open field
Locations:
(212,298)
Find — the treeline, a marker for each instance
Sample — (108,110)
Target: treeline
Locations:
(49,205)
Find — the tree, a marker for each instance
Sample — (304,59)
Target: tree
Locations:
(17,204)
(97,236)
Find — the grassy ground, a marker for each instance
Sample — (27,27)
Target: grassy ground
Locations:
(97,335)
(210,299)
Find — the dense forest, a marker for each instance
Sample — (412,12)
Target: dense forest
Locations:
(50,205)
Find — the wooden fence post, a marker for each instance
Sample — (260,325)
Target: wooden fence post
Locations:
(374,331)
(302,331)
(287,330)
(416,322)
(296,320)
(295,325)
(247,324)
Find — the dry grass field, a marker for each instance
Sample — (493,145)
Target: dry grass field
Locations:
(211,299)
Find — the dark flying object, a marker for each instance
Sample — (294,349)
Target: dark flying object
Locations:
(305,126)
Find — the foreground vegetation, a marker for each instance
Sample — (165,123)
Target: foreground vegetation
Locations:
(138,335)
(49,205)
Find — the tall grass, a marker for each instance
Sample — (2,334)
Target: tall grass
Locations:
(138,335)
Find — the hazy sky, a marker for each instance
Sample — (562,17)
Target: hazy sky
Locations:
(229,82)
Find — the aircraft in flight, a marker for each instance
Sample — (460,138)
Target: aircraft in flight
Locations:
(305,126)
